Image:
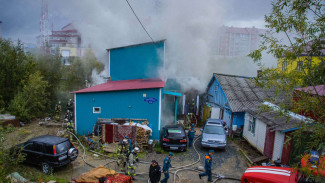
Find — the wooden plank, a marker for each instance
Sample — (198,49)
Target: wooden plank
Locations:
(250,161)
(260,159)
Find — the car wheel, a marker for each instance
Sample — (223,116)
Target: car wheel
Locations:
(73,154)
(46,168)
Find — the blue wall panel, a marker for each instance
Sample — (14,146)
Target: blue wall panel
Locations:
(136,62)
(116,104)
(218,98)
(239,119)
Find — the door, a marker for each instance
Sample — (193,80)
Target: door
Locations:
(33,152)
(269,142)
(215,113)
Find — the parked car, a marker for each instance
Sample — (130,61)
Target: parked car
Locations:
(214,134)
(173,137)
(48,151)
(218,121)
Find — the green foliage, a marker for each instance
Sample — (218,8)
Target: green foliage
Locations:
(15,67)
(80,71)
(9,161)
(51,69)
(30,102)
(302,22)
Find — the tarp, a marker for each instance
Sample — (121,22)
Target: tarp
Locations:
(145,127)
(95,174)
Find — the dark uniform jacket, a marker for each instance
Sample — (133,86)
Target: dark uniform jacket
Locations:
(208,162)
(167,164)
(191,133)
(154,174)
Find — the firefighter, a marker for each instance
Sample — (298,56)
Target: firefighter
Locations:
(58,109)
(70,105)
(207,166)
(133,158)
(166,167)
(130,143)
(122,154)
(191,134)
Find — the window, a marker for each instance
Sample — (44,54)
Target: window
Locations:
(221,113)
(96,110)
(284,65)
(252,124)
(33,147)
(300,65)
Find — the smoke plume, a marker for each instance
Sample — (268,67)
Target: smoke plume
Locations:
(188,26)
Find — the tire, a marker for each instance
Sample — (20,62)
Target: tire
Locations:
(72,154)
(46,168)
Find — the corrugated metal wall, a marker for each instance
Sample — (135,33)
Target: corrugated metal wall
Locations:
(117,104)
(136,62)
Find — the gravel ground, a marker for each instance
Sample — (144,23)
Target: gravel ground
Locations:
(228,162)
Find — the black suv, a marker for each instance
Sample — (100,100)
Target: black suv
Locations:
(173,137)
(48,151)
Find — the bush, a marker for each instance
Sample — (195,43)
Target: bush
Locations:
(31,101)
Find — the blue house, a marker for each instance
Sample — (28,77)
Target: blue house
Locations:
(229,96)
(134,91)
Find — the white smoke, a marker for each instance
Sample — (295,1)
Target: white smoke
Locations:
(188,26)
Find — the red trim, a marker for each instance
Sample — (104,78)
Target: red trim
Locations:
(134,84)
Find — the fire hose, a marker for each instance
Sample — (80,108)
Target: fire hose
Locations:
(178,169)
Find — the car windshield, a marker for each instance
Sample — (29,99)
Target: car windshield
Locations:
(210,129)
(175,132)
(63,147)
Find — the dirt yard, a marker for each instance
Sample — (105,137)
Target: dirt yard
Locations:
(229,162)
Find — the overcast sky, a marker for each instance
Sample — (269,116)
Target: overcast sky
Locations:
(21,18)
(187,25)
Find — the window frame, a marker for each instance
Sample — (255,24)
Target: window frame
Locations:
(252,124)
(284,65)
(300,65)
(97,112)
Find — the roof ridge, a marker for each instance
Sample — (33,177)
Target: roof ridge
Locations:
(247,77)
(137,44)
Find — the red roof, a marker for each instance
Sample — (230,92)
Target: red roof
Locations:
(134,84)
(310,89)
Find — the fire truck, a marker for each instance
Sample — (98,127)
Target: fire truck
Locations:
(273,174)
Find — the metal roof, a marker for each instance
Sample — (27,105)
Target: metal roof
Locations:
(133,84)
(275,119)
(242,92)
(310,89)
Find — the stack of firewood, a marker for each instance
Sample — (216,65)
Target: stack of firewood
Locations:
(142,135)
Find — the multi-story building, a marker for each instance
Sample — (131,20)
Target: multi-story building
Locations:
(235,41)
(304,61)
(66,42)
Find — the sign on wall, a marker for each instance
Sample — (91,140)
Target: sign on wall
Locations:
(150,100)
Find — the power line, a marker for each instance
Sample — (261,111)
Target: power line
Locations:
(140,21)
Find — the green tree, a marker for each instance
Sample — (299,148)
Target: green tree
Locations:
(51,69)
(15,66)
(30,102)
(303,23)
(80,70)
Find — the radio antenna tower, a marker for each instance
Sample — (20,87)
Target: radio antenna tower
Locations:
(44,24)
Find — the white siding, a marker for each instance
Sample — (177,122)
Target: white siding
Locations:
(278,144)
(215,112)
(258,139)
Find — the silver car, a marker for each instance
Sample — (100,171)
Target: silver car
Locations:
(214,136)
